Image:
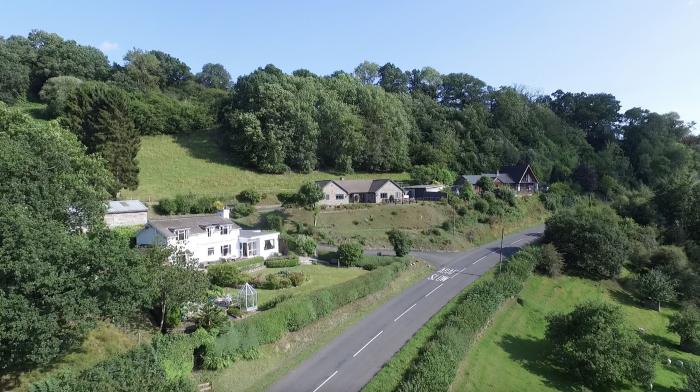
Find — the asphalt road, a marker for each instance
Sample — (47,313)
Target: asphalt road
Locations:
(352,359)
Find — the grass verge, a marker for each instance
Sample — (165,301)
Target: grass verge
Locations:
(282,356)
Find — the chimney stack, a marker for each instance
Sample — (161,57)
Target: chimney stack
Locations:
(225,213)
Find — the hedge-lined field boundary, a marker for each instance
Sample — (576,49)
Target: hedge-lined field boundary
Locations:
(244,338)
(436,365)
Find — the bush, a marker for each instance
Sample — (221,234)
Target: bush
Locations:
(186,204)
(244,338)
(551,262)
(692,382)
(481,205)
(506,194)
(349,254)
(226,275)
(435,368)
(234,311)
(594,344)
(297,278)
(273,221)
(686,324)
(401,242)
(282,262)
(370,263)
(240,210)
(591,239)
(301,244)
(211,317)
(250,196)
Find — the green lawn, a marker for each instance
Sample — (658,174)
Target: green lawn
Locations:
(423,220)
(511,355)
(194,163)
(317,277)
(278,358)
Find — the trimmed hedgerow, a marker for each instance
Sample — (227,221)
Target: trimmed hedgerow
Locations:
(436,365)
(244,338)
(282,262)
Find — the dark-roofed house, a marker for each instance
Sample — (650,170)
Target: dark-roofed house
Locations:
(520,178)
(337,192)
(126,213)
(432,192)
(209,238)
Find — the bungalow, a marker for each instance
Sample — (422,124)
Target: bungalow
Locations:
(338,192)
(125,213)
(520,178)
(209,238)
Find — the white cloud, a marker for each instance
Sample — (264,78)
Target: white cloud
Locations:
(108,46)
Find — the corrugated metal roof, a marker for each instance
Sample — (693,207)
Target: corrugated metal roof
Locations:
(125,206)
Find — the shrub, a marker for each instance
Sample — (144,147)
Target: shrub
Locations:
(692,381)
(506,194)
(250,196)
(301,244)
(240,210)
(282,262)
(435,368)
(370,263)
(486,184)
(234,311)
(593,343)
(244,337)
(349,254)
(211,317)
(481,205)
(551,262)
(686,324)
(401,242)
(273,221)
(226,275)
(591,239)
(297,278)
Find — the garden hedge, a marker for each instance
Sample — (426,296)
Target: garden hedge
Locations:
(435,367)
(243,339)
(282,262)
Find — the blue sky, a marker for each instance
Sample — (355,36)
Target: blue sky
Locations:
(645,52)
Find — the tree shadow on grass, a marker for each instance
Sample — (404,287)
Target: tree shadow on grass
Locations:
(625,298)
(206,144)
(532,355)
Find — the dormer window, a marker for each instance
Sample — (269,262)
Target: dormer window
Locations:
(210,231)
(225,229)
(182,234)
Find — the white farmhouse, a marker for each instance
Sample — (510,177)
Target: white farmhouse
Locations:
(209,238)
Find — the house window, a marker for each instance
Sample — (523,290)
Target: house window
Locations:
(182,234)
(225,250)
(224,230)
(327,196)
(382,195)
(339,196)
(210,252)
(249,249)
(210,231)
(269,244)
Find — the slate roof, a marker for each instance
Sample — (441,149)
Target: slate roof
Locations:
(196,223)
(357,186)
(125,206)
(507,175)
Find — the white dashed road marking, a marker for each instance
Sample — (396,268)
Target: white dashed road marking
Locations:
(324,383)
(433,290)
(367,344)
(404,312)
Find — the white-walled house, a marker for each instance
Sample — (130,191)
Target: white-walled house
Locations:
(209,238)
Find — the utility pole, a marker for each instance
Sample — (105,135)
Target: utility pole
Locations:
(500,254)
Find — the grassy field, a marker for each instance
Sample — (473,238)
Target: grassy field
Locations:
(280,357)
(512,354)
(194,163)
(101,343)
(317,277)
(423,220)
